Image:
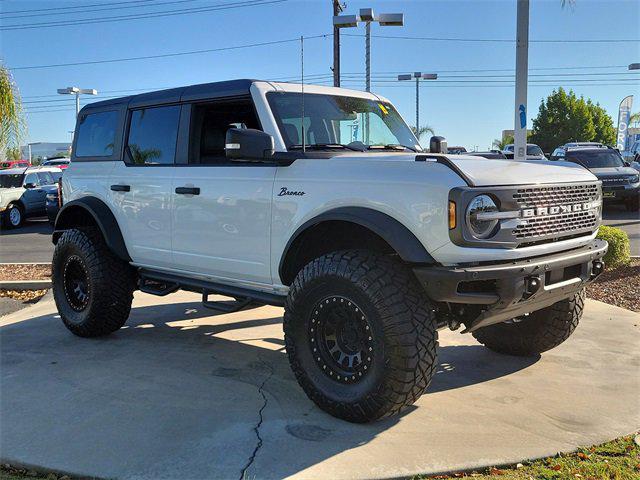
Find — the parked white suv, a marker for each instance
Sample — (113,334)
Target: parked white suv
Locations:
(335,212)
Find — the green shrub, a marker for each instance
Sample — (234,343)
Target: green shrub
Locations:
(619,252)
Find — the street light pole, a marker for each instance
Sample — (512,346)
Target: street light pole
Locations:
(522,66)
(418,76)
(77,92)
(368,17)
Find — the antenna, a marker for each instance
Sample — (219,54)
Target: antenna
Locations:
(304,139)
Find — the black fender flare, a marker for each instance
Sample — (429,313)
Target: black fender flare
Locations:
(398,236)
(102,216)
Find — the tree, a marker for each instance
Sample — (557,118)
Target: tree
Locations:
(563,117)
(12,126)
(634,119)
(13,153)
(501,143)
(422,131)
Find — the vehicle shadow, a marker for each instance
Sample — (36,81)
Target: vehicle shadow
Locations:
(32,225)
(180,390)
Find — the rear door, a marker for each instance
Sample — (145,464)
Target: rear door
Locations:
(222,209)
(33,198)
(140,186)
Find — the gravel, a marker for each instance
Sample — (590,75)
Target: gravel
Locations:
(14,271)
(620,287)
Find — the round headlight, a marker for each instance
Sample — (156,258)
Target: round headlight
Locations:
(481,228)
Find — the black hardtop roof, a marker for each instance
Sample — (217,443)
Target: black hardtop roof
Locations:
(228,88)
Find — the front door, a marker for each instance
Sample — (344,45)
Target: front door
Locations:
(222,210)
(140,187)
(34,197)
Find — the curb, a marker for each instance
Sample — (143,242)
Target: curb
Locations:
(2,264)
(25,284)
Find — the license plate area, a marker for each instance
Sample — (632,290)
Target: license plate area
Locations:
(608,194)
(562,274)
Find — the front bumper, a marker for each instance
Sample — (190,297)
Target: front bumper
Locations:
(508,290)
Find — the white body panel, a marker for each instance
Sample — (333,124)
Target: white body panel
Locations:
(237,229)
(224,231)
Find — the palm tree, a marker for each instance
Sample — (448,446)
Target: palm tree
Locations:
(634,119)
(501,143)
(12,125)
(422,131)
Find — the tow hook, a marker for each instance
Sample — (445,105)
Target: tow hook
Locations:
(531,286)
(597,268)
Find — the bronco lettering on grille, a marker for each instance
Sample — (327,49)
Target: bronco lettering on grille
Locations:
(557,209)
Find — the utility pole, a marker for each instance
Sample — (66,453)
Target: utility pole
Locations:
(337,10)
(522,73)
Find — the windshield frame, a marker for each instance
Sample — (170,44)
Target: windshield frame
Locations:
(412,143)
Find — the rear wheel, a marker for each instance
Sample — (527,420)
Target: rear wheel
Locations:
(92,288)
(360,335)
(537,332)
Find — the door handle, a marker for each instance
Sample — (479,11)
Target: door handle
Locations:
(188,190)
(121,188)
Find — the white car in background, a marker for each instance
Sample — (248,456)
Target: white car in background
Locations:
(534,152)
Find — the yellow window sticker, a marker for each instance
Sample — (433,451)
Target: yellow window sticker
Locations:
(384,109)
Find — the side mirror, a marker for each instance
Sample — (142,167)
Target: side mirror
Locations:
(437,145)
(627,164)
(30,185)
(248,145)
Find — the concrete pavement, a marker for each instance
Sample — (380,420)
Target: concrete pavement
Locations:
(182,393)
(31,243)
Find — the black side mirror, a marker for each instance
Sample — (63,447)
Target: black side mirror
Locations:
(627,164)
(249,145)
(437,145)
(30,185)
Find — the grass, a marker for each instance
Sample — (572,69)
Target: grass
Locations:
(615,460)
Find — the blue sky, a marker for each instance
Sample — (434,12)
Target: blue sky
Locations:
(457,105)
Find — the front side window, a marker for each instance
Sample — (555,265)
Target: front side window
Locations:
(596,159)
(11,181)
(331,121)
(96,134)
(152,135)
(32,178)
(45,178)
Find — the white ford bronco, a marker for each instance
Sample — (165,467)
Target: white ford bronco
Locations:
(321,200)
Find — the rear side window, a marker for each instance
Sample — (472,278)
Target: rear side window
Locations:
(152,136)
(96,134)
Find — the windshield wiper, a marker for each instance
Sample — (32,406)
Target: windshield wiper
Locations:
(391,146)
(321,146)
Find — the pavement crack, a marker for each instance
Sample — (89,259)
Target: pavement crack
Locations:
(256,429)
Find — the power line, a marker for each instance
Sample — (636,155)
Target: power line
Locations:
(77,6)
(165,55)
(168,13)
(491,40)
(92,10)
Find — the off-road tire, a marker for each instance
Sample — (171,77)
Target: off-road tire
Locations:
(538,332)
(403,341)
(110,283)
(6,218)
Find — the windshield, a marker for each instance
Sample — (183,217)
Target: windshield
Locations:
(335,121)
(596,158)
(534,150)
(11,180)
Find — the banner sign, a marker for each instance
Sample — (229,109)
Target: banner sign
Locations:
(623,122)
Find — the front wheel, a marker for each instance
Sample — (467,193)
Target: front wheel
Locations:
(537,332)
(360,335)
(14,216)
(92,288)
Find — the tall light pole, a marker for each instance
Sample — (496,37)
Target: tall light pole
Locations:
(368,17)
(77,92)
(418,76)
(522,72)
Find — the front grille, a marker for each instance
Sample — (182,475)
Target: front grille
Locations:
(535,229)
(564,224)
(556,195)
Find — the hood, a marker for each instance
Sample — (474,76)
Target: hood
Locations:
(481,172)
(613,172)
(487,172)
